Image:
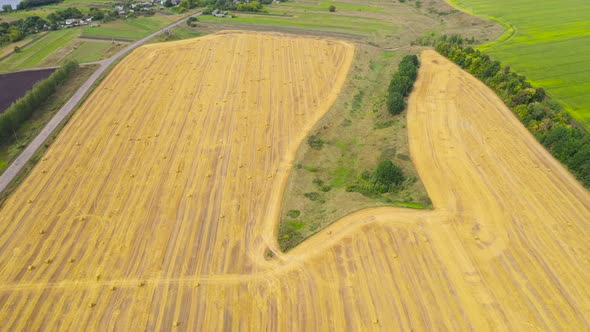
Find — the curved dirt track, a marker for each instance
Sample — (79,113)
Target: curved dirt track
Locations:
(158,200)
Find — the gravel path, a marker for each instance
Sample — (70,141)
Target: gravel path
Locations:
(17,165)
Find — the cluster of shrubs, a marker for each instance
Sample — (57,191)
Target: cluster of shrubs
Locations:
(22,109)
(290,231)
(402,83)
(315,142)
(387,177)
(544,118)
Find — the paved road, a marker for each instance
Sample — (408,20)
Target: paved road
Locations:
(17,165)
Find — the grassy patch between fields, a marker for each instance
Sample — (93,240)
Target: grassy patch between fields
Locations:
(345,145)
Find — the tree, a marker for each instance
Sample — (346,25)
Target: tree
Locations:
(192,21)
(332,8)
(7,8)
(252,6)
(539,94)
(388,175)
(523,97)
(395,103)
(408,69)
(95,13)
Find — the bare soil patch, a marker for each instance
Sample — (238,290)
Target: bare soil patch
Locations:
(16,85)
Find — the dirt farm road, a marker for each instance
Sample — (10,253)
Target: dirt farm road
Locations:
(16,166)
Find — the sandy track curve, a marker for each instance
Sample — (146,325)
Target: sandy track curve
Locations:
(167,214)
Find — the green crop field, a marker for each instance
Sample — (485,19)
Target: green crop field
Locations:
(548,41)
(33,54)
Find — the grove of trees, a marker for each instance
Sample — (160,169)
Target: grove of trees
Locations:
(387,178)
(402,83)
(17,30)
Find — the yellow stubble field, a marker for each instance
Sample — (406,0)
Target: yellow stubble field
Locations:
(158,203)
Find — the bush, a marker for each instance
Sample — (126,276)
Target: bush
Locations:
(401,84)
(315,142)
(192,21)
(23,108)
(289,234)
(314,197)
(388,174)
(332,8)
(293,213)
(253,6)
(387,177)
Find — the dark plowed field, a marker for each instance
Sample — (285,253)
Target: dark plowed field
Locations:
(16,85)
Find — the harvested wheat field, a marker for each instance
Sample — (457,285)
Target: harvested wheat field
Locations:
(156,207)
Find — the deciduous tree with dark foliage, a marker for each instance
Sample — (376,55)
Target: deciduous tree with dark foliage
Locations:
(401,84)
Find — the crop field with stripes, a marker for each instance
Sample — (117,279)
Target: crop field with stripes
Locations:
(156,208)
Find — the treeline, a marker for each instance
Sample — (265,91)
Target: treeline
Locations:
(22,109)
(17,30)
(432,39)
(387,178)
(96,14)
(240,5)
(25,4)
(402,83)
(545,118)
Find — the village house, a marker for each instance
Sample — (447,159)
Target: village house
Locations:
(219,13)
